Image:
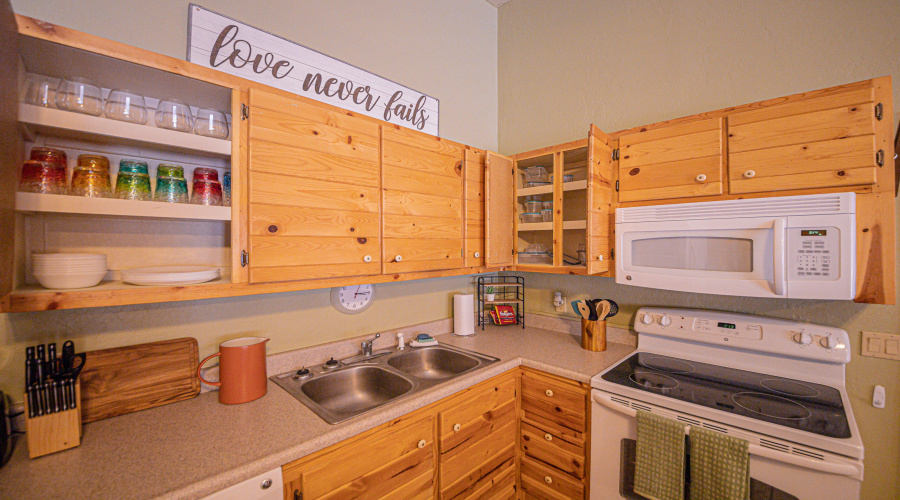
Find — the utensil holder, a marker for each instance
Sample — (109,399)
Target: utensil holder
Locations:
(54,432)
(593,335)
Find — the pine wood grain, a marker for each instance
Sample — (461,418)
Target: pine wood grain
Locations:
(499,231)
(280,220)
(406,203)
(275,189)
(419,181)
(132,378)
(406,156)
(286,160)
(415,226)
(311,250)
(10,144)
(300,131)
(815,126)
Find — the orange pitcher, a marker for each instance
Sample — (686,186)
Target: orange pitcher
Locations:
(242,370)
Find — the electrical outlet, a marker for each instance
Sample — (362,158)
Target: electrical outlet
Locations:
(561,308)
(880,345)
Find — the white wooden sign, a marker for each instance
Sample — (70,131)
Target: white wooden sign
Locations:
(221,43)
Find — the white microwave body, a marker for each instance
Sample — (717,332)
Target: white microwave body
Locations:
(800,247)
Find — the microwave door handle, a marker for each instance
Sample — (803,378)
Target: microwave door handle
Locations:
(755,449)
(778,228)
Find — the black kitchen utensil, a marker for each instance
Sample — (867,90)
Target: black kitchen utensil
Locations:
(613,309)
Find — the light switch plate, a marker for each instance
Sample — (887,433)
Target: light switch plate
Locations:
(880,345)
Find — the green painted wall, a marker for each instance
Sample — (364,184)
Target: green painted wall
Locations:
(620,64)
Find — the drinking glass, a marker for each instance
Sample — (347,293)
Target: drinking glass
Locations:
(211,123)
(126,106)
(79,95)
(174,115)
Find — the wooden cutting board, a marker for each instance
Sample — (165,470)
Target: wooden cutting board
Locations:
(133,378)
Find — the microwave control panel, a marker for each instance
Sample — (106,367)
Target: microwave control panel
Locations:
(813,253)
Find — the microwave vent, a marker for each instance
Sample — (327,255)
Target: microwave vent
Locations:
(824,204)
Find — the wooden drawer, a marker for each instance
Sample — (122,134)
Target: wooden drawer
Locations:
(539,481)
(551,449)
(477,416)
(549,399)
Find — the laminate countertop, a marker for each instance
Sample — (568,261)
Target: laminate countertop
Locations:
(193,448)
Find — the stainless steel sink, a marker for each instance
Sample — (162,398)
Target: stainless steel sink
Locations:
(368,382)
(433,363)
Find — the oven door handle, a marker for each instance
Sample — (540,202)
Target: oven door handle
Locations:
(755,449)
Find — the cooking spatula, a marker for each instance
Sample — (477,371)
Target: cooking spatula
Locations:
(581,308)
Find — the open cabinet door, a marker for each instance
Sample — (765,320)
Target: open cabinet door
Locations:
(599,199)
(10,144)
(498,210)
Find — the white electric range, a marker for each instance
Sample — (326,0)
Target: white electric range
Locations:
(778,384)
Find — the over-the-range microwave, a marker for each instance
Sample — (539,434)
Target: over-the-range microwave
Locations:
(797,247)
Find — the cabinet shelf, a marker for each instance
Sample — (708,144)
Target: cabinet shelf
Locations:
(548,226)
(504,301)
(58,203)
(567,186)
(38,120)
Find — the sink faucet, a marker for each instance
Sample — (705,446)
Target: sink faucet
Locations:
(367,345)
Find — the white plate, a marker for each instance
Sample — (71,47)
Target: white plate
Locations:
(170,275)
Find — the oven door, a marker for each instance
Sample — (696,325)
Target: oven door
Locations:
(743,256)
(774,474)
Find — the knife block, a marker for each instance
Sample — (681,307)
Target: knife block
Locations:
(593,335)
(54,432)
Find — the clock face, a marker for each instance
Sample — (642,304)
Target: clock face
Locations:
(352,299)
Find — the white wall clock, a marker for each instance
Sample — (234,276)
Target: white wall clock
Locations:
(352,299)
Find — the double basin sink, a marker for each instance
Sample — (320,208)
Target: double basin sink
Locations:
(337,392)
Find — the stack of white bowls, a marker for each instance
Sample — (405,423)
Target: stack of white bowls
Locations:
(69,270)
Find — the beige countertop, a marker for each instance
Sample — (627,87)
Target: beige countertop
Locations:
(196,447)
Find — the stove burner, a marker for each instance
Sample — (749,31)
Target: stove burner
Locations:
(653,380)
(789,387)
(670,365)
(771,406)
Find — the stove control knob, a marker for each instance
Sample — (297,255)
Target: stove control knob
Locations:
(665,320)
(803,338)
(829,342)
(647,319)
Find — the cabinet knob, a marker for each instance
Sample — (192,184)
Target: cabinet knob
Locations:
(700,178)
(548,437)
(477,254)
(749,174)
(398,258)
(266,484)
(456,427)
(421,443)
(548,479)
(549,393)
(367,258)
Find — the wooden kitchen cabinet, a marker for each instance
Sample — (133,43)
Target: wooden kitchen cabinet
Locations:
(823,141)
(477,442)
(499,211)
(682,160)
(473,207)
(313,200)
(393,461)
(554,436)
(423,201)
(576,197)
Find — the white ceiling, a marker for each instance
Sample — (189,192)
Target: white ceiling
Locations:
(497,3)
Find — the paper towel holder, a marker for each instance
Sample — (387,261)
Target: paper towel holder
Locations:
(463,315)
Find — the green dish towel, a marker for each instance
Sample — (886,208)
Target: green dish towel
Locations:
(720,466)
(659,459)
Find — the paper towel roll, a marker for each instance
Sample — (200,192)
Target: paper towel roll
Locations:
(463,315)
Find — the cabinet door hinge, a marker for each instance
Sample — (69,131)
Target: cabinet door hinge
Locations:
(615,154)
(612,254)
(879,157)
(245,111)
(879,111)
(617,186)
(245,258)
(298,495)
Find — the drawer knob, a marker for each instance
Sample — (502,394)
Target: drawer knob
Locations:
(456,427)
(398,258)
(421,443)
(749,174)
(700,178)
(367,258)
(477,254)
(548,437)
(548,479)
(549,393)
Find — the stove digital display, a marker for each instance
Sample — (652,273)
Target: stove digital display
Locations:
(730,326)
(813,232)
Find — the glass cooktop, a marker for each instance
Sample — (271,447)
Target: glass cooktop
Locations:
(800,405)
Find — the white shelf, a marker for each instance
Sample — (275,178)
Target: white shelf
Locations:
(38,119)
(567,186)
(58,203)
(548,226)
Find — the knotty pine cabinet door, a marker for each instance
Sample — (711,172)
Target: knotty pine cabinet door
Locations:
(827,139)
(683,160)
(599,202)
(422,182)
(394,461)
(499,210)
(473,251)
(314,195)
